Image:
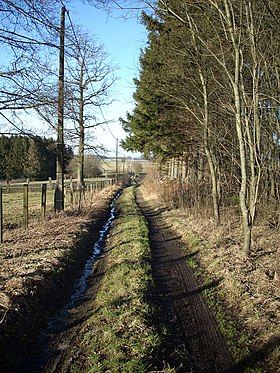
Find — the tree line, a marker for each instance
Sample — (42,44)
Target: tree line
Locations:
(207,102)
(29,157)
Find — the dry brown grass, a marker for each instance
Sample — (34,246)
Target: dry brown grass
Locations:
(249,286)
(27,256)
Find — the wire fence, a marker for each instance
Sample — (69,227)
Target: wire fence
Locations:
(22,202)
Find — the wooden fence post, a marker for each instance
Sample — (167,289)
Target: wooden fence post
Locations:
(50,183)
(1,215)
(91,192)
(25,205)
(44,200)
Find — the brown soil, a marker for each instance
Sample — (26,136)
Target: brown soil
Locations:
(37,274)
(55,353)
(195,343)
(246,297)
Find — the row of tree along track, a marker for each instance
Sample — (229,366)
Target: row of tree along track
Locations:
(191,341)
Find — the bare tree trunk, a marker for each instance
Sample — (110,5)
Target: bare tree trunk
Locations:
(59,192)
(202,72)
(184,167)
(235,82)
(176,168)
(81,156)
(252,121)
(172,168)
(210,154)
(246,217)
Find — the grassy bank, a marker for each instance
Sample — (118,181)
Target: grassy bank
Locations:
(118,337)
(242,292)
(243,300)
(13,199)
(38,270)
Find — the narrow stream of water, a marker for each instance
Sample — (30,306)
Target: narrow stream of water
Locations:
(57,323)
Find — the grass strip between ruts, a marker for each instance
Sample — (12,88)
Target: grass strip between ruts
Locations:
(118,335)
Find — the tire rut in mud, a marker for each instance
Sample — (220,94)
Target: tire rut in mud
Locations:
(194,342)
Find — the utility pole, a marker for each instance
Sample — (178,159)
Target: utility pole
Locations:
(117,148)
(59,191)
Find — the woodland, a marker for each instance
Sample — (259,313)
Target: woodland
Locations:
(29,157)
(207,95)
(207,106)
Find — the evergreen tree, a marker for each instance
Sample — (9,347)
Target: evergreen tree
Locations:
(5,146)
(33,160)
(208,92)
(22,156)
(16,156)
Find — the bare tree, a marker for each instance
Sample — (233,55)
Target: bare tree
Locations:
(232,23)
(88,83)
(28,32)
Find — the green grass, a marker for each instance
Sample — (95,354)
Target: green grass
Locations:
(13,200)
(238,340)
(13,207)
(118,336)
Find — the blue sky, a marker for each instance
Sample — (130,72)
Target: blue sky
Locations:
(122,40)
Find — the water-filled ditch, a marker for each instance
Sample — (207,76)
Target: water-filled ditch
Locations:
(57,322)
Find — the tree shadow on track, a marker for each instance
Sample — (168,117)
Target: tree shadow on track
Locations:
(153,213)
(197,291)
(177,238)
(256,356)
(191,341)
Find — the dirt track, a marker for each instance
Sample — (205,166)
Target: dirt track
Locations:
(195,343)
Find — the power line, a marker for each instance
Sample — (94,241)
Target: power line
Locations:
(106,122)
